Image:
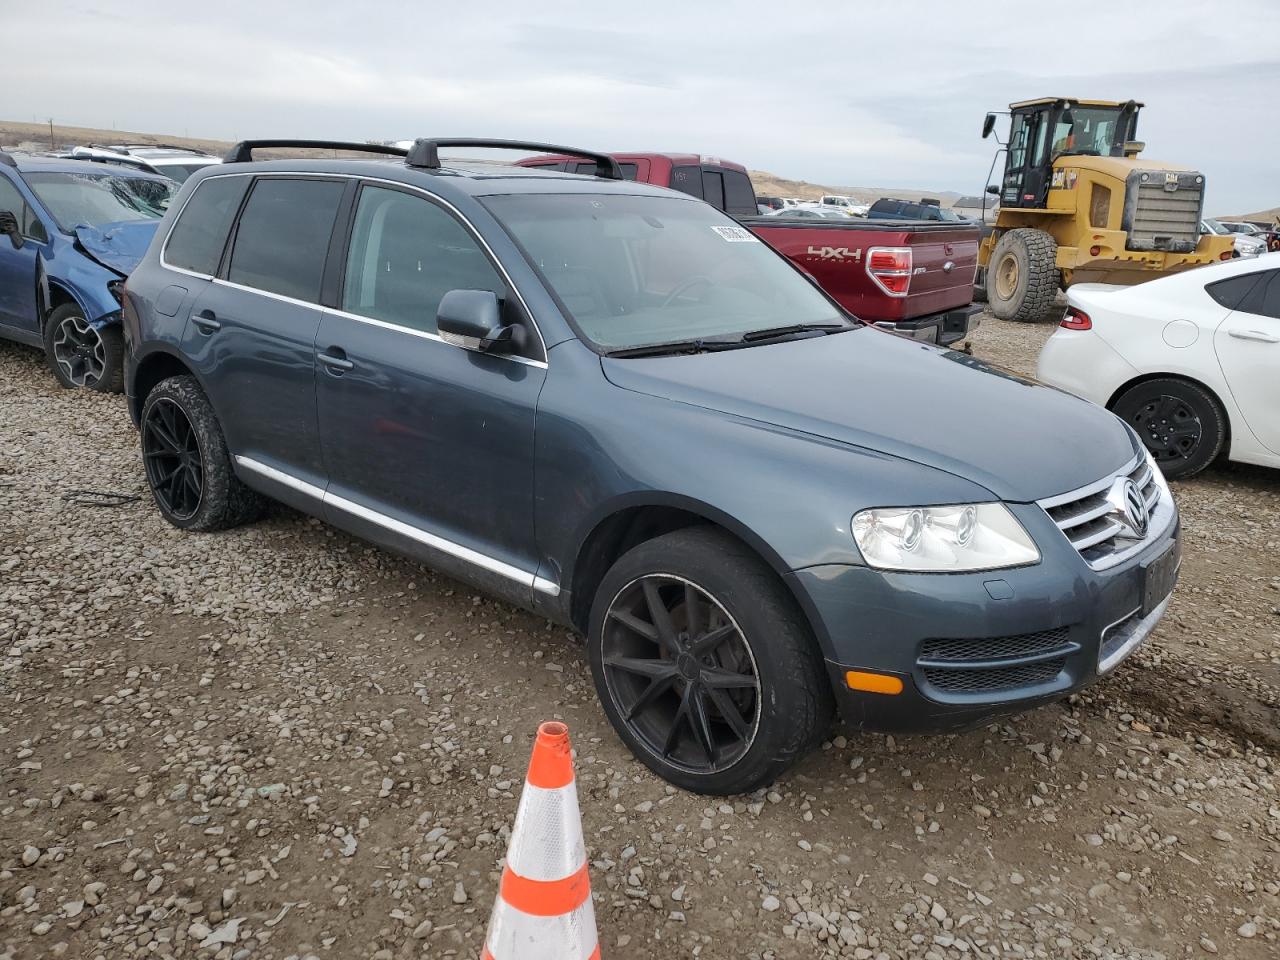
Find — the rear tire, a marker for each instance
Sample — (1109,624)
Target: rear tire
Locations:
(1023,277)
(82,356)
(186,460)
(760,691)
(1180,422)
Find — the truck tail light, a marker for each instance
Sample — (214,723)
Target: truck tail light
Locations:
(890,268)
(1077,320)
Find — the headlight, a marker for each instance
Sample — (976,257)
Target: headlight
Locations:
(966,536)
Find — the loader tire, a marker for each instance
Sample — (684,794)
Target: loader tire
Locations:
(1023,277)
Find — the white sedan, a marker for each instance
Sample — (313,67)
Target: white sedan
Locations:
(1191,361)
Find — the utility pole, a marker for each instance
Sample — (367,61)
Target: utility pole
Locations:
(51,144)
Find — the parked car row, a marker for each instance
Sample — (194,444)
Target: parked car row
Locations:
(1245,245)
(659,432)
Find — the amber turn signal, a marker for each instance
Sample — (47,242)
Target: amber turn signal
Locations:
(873,682)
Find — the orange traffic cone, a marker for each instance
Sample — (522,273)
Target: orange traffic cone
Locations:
(543,910)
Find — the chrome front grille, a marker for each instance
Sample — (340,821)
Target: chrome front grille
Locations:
(1085,516)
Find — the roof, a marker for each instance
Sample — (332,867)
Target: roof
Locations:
(1043,101)
(461,177)
(30,163)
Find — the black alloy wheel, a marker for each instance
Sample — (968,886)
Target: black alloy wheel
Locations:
(171,452)
(681,674)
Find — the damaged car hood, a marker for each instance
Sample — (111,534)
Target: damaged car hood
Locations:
(117,246)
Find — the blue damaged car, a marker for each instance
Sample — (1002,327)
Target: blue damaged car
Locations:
(73,231)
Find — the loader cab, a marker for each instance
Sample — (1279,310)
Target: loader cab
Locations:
(1042,131)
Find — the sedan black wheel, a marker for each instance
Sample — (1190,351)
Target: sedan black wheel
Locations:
(704,664)
(680,671)
(186,460)
(171,452)
(1180,422)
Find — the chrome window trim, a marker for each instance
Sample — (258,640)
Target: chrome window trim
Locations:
(431,198)
(417,534)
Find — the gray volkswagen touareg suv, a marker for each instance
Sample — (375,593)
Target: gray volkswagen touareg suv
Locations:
(609,403)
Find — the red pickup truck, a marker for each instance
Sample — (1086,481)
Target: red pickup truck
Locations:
(913,277)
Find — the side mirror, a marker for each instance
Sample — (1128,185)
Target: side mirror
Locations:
(472,320)
(9,225)
(993,189)
(988,125)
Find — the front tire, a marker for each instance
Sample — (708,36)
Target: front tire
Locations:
(81,355)
(1180,422)
(187,464)
(704,663)
(1023,276)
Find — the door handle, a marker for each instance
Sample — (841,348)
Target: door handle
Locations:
(206,320)
(1253,335)
(336,360)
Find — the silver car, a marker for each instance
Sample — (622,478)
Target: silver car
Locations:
(1245,245)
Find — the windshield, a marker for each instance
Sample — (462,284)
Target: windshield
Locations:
(1215,227)
(92,199)
(1086,131)
(636,270)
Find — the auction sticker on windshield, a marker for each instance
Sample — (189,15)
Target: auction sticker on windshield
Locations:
(736,234)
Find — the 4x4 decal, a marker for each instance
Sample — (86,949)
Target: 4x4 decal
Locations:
(834,253)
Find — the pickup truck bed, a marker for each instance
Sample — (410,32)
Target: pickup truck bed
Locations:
(927,293)
(936,302)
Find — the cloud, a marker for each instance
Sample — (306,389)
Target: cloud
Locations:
(831,92)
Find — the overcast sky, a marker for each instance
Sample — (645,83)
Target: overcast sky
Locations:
(855,93)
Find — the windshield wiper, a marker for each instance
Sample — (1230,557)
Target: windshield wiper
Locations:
(697,345)
(774,333)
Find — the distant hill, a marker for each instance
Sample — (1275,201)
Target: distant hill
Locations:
(1266,216)
(772,185)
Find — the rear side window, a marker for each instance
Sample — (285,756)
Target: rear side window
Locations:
(713,188)
(687,180)
(283,236)
(739,197)
(588,168)
(1263,298)
(406,253)
(1231,293)
(195,243)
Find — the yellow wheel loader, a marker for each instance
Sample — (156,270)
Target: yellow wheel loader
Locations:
(1077,205)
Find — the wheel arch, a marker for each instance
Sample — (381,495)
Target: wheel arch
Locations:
(630,521)
(156,366)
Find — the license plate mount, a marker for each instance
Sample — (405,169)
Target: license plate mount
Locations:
(1159,577)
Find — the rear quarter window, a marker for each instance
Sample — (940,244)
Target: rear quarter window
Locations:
(196,241)
(1231,292)
(282,238)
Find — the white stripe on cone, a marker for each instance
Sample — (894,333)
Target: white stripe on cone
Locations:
(546,841)
(514,935)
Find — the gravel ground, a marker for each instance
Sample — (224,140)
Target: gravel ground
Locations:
(280,742)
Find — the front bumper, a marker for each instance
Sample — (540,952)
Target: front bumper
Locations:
(943,328)
(975,646)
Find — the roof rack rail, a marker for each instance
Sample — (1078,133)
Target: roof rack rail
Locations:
(160,146)
(426,153)
(242,152)
(7,159)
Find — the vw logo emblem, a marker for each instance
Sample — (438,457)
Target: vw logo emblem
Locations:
(1129,508)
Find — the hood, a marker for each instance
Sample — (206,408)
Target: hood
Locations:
(118,246)
(1020,439)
